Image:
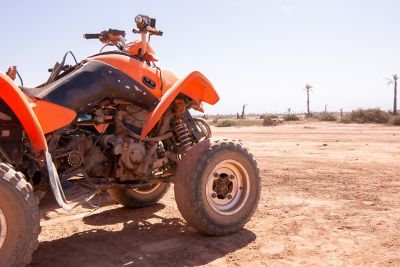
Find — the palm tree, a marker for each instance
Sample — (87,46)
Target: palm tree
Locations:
(308,88)
(244,106)
(393,81)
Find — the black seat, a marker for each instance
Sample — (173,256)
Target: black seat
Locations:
(93,82)
(37,92)
(42,90)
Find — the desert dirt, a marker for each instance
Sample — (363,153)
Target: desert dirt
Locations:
(330,196)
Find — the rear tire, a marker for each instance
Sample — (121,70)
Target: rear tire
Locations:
(19,218)
(217,187)
(139,198)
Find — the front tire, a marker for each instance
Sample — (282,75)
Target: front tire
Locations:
(217,187)
(19,218)
(139,198)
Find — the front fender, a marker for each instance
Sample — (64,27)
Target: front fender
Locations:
(195,85)
(22,109)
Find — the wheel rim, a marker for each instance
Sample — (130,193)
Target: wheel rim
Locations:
(3,228)
(227,187)
(147,190)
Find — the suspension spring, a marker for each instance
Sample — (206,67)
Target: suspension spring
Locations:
(183,133)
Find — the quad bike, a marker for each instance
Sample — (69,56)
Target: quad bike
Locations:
(116,122)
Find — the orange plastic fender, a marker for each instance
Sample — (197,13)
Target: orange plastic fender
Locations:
(21,107)
(195,85)
(52,117)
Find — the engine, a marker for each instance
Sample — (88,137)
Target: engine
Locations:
(116,153)
(133,159)
(76,153)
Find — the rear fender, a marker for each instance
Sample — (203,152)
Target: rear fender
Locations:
(22,109)
(195,85)
(21,106)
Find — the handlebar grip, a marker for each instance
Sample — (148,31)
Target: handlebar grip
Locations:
(91,36)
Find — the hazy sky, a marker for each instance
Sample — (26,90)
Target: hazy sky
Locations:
(256,52)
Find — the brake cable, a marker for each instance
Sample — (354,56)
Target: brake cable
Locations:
(20,79)
(59,67)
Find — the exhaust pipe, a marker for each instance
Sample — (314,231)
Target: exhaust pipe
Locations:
(55,183)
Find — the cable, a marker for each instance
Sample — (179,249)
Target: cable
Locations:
(162,82)
(20,79)
(59,67)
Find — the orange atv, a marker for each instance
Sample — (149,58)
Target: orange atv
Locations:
(116,122)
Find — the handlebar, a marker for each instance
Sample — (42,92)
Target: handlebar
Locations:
(116,32)
(145,25)
(108,35)
(91,36)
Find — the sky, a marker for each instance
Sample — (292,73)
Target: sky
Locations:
(255,52)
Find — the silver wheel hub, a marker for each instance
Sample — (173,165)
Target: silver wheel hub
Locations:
(3,228)
(227,187)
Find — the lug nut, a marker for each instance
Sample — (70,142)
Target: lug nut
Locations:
(216,175)
(213,195)
(229,196)
(231,177)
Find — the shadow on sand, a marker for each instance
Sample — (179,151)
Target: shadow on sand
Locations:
(138,238)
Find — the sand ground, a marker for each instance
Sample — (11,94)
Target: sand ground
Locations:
(330,196)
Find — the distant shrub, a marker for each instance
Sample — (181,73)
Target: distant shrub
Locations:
(369,116)
(271,116)
(225,123)
(215,121)
(311,115)
(291,117)
(396,120)
(268,121)
(247,122)
(325,116)
(345,119)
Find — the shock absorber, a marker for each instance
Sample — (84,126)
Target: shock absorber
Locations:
(183,133)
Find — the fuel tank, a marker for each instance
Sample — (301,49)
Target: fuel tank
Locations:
(153,78)
(91,83)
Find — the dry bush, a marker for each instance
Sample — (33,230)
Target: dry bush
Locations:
(225,123)
(309,116)
(369,116)
(291,117)
(268,122)
(396,120)
(345,119)
(247,122)
(271,116)
(325,116)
